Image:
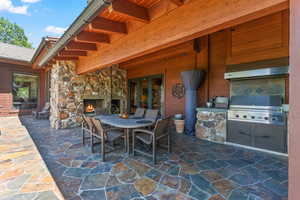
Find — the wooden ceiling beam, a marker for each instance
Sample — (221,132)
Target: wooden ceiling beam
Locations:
(65,58)
(106,25)
(85,36)
(178,2)
(81,46)
(130,10)
(72,53)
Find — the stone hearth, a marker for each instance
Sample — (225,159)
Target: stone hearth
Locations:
(68,90)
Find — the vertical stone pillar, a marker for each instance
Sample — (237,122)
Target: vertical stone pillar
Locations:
(66,92)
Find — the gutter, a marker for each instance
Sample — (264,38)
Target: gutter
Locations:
(38,50)
(88,14)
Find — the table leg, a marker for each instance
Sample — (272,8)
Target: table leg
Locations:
(128,141)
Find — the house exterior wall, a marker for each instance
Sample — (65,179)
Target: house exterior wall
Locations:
(172,61)
(68,90)
(6,98)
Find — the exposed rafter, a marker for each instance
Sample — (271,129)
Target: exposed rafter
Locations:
(178,2)
(85,36)
(81,46)
(130,10)
(73,53)
(106,25)
(65,58)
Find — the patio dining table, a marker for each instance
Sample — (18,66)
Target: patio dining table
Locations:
(127,124)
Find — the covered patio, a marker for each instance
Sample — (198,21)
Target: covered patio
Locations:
(196,169)
(121,55)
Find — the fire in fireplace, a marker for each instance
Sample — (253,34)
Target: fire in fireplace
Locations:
(91,105)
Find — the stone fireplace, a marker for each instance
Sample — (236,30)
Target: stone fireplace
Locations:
(70,93)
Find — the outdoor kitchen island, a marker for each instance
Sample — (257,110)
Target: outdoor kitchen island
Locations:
(211,124)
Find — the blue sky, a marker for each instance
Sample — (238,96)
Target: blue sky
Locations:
(41,17)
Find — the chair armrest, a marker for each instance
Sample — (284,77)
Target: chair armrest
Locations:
(142,131)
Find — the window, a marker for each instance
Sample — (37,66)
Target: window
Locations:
(25,91)
(146,92)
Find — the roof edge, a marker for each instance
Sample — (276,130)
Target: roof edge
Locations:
(38,50)
(87,15)
(14,61)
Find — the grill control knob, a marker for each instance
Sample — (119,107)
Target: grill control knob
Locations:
(237,116)
(245,116)
(252,117)
(266,118)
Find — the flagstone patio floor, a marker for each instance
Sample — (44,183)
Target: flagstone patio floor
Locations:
(196,169)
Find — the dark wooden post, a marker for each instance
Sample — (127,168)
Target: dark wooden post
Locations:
(294,116)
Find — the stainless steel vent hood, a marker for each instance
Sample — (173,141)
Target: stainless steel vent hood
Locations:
(273,71)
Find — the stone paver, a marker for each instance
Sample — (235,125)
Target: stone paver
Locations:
(23,173)
(195,170)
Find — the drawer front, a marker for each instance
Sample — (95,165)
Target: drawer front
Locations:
(239,132)
(270,137)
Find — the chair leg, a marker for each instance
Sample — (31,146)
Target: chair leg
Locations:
(83,134)
(133,144)
(92,143)
(103,150)
(125,140)
(154,151)
(169,143)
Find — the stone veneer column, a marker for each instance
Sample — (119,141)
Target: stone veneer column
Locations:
(65,98)
(69,89)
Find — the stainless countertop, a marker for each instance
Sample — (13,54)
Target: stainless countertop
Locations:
(211,109)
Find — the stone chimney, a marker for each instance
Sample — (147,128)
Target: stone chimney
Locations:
(89,1)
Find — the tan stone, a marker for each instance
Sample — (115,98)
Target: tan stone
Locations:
(119,167)
(201,132)
(11,174)
(63,115)
(14,155)
(145,186)
(36,187)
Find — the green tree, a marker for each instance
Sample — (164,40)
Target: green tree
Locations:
(11,33)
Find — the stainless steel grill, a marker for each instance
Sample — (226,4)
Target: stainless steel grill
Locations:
(257,121)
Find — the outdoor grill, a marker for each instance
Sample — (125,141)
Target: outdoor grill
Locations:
(257,121)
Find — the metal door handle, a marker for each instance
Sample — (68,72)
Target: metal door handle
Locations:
(264,136)
(243,133)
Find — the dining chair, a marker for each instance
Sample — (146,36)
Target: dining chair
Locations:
(86,126)
(105,136)
(44,113)
(151,114)
(161,130)
(139,113)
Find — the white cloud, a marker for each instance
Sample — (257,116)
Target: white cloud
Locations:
(7,5)
(30,1)
(55,30)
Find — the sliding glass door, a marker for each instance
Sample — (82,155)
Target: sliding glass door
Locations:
(146,92)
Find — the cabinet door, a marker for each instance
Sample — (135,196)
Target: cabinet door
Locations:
(270,137)
(239,132)
(261,39)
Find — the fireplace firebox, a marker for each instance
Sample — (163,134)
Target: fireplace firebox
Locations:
(115,106)
(91,105)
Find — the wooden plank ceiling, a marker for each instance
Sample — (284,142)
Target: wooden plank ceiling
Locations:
(116,21)
(130,28)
